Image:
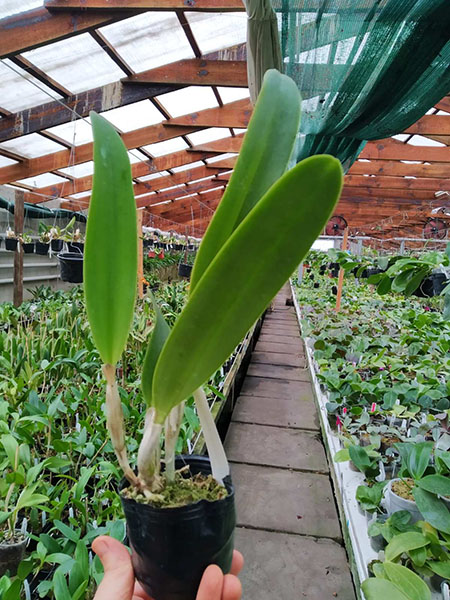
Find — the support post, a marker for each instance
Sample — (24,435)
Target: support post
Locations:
(18,254)
(341,273)
(140,277)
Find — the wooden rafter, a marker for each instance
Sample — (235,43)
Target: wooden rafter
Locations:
(112,95)
(375,193)
(196,71)
(83,153)
(236,114)
(390,149)
(399,169)
(388,182)
(31,29)
(431,125)
(144,5)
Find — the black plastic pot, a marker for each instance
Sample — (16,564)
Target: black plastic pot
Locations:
(71,264)
(171,547)
(11,244)
(10,556)
(431,285)
(334,269)
(184,270)
(42,248)
(57,245)
(77,247)
(28,248)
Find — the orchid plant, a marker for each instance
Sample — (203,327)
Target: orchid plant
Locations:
(235,275)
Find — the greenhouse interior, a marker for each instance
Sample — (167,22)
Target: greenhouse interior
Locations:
(225,299)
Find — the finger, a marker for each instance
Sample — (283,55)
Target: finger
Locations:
(232,588)
(139,593)
(237,563)
(211,584)
(118,582)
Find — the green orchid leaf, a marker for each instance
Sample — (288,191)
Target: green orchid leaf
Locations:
(158,338)
(407,581)
(381,589)
(110,260)
(433,510)
(263,158)
(404,542)
(415,281)
(415,457)
(441,568)
(245,275)
(436,484)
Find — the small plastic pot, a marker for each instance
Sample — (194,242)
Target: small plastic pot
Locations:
(10,556)
(28,248)
(57,245)
(76,247)
(42,248)
(11,244)
(184,270)
(71,264)
(396,503)
(171,547)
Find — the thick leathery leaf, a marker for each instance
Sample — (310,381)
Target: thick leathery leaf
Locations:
(110,261)
(263,158)
(381,589)
(245,275)
(407,581)
(159,335)
(432,509)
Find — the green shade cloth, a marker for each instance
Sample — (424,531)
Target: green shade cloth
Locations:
(32,211)
(263,44)
(366,69)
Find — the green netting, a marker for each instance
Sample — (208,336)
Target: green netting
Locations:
(367,69)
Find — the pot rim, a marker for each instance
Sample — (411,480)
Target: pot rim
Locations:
(389,488)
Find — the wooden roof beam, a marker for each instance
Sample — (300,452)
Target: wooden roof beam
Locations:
(234,114)
(84,152)
(390,149)
(366,192)
(34,28)
(431,125)
(144,5)
(386,182)
(196,71)
(399,169)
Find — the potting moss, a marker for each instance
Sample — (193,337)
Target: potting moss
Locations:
(181,492)
(403,488)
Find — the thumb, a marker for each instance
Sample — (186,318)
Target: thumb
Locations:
(118,582)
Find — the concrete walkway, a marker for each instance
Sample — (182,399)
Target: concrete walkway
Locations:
(288,528)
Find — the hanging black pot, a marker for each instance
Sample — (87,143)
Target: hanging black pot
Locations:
(42,248)
(57,245)
(171,547)
(11,553)
(28,248)
(77,247)
(11,244)
(184,270)
(71,264)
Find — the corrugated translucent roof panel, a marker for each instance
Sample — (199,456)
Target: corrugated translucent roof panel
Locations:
(230,94)
(19,90)
(75,132)
(78,63)
(81,170)
(136,156)
(12,7)
(153,176)
(134,116)
(31,145)
(161,148)
(219,30)
(188,100)
(208,135)
(5,162)
(220,157)
(42,180)
(149,40)
(192,165)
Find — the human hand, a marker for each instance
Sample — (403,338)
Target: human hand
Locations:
(119,582)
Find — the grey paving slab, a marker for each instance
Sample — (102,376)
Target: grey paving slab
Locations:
(283,413)
(265,346)
(285,501)
(275,447)
(296,359)
(278,372)
(280,566)
(280,339)
(276,388)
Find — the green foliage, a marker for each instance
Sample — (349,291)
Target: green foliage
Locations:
(110,262)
